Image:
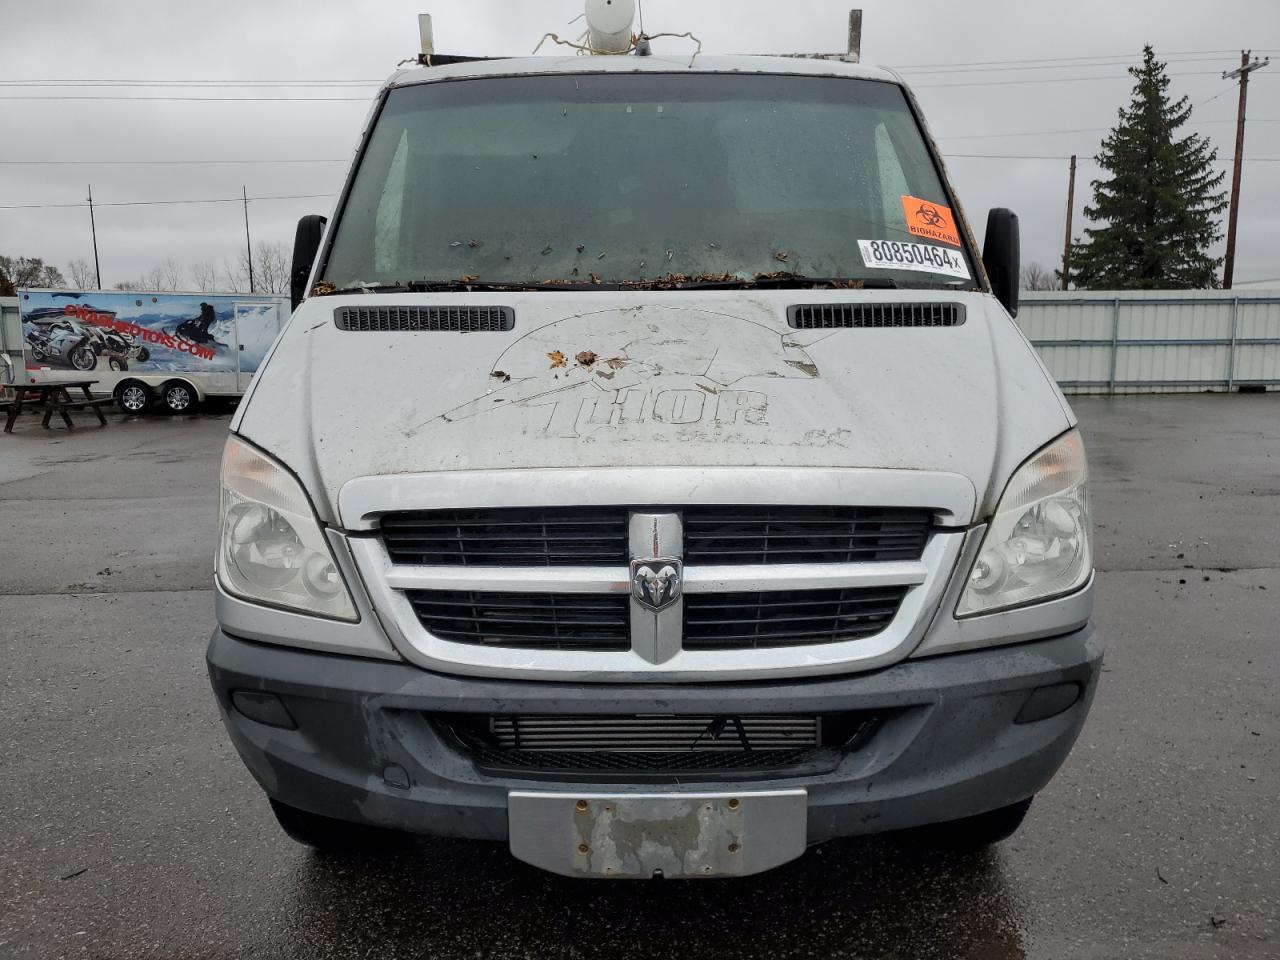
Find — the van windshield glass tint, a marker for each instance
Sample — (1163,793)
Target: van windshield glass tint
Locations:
(618,178)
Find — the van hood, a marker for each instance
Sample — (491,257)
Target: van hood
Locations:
(628,379)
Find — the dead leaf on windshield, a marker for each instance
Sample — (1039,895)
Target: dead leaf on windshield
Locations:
(586,358)
(557,359)
(616,363)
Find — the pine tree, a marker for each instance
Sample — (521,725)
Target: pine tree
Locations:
(1157,213)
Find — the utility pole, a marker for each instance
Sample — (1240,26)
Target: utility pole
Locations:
(1242,74)
(1066,243)
(248,247)
(93,228)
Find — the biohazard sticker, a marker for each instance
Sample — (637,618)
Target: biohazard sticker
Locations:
(921,257)
(930,220)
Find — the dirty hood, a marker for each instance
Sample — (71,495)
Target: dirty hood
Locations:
(651,379)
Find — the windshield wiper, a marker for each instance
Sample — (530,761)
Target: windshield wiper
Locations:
(669,282)
(772,281)
(325,289)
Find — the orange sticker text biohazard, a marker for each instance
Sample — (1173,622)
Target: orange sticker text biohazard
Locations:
(930,220)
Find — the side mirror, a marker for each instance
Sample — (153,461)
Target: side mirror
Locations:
(305,244)
(1001,254)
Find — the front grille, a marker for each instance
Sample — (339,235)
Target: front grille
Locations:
(640,745)
(425,319)
(787,618)
(546,621)
(871,315)
(746,535)
(508,537)
(597,536)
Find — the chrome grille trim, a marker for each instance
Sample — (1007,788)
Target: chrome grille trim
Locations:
(925,580)
(795,576)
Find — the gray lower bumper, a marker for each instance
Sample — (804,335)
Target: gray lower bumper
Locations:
(364,751)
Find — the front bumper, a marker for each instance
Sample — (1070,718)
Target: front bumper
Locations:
(364,751)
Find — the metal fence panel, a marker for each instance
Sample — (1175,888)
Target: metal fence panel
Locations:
(1155,341)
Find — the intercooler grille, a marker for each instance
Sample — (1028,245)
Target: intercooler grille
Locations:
(787,618)
(820,316)
(425,319)
(644,745)
(545,621)
(646,734)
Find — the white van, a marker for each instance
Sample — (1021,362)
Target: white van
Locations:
(652,478)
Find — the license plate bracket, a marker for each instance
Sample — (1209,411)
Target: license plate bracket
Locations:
(668,835)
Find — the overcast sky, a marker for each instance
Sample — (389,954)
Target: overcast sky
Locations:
(971,106)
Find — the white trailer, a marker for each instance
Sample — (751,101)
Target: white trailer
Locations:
(175,349)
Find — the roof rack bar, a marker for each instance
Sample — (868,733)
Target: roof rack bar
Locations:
(852,55)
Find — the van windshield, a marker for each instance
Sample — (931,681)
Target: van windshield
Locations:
(618,179)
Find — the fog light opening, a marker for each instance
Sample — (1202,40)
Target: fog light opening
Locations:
(262,707)
(1046,702)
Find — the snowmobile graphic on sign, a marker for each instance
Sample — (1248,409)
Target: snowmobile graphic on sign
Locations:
(144,333)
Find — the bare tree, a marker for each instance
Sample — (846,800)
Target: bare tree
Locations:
(174,274)
(152,279)
(127,285)
(1036,277)
(17,272)
(270,269)
(235,279)
(204,274)
(83,276)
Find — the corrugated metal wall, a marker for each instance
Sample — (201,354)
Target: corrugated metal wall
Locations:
(1156,341)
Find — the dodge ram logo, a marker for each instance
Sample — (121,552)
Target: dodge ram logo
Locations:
(656,583)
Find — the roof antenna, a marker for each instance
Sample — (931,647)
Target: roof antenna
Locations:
(609,25)
(642,39)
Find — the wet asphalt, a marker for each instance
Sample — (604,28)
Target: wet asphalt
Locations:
(128,827)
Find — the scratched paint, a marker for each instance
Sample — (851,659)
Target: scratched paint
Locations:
(677,367)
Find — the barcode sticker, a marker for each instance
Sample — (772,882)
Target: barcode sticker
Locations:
(920,257)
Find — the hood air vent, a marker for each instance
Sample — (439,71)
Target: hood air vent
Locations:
(429,319)
(817,316)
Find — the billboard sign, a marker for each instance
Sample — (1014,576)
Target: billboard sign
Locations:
(146,332)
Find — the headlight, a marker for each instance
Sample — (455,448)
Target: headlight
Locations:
(271,549)
(1038,545)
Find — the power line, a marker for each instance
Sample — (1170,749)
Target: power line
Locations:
(1045,133)
(153,203)
(202,84)
(1128,62)
(99,163)
(1009,83)
(60,96)
(1109,56)
(1025,156)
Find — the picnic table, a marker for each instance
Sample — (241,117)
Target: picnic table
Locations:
(55,397)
